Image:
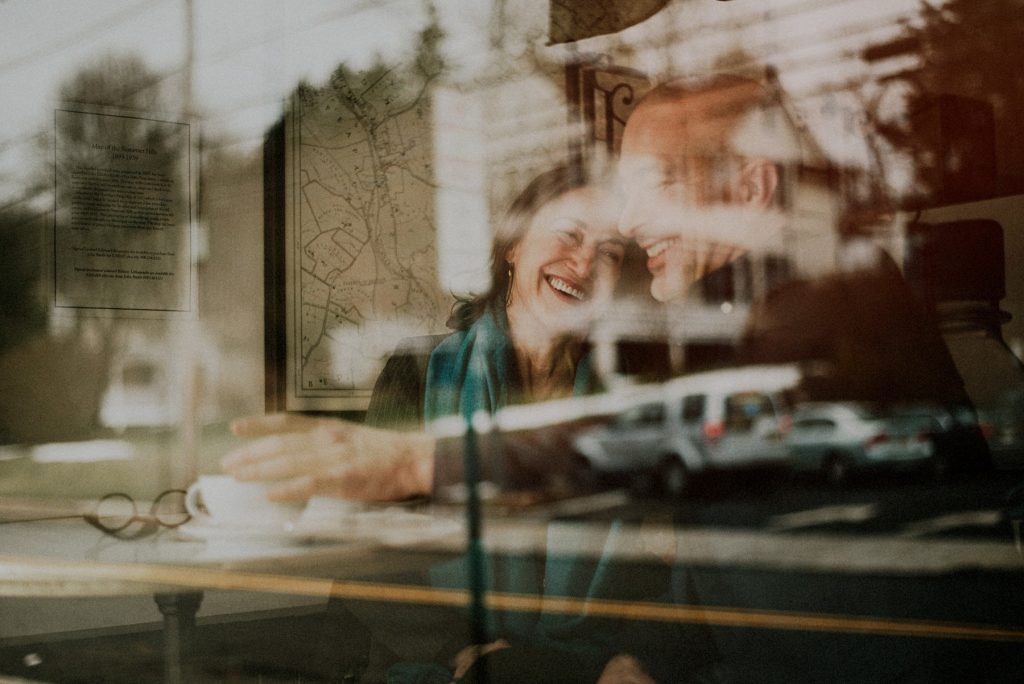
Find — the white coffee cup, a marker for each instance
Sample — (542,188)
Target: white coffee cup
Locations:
(224,501)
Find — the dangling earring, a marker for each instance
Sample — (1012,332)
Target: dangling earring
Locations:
(508,287)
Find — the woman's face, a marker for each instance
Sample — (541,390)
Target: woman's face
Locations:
(568,262)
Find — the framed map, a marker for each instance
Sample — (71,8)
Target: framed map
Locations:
(355,266)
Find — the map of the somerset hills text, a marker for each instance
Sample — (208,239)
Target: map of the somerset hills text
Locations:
(362,266)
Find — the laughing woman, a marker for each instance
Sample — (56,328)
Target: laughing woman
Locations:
(555,260)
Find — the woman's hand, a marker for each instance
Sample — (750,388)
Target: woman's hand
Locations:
(309,456)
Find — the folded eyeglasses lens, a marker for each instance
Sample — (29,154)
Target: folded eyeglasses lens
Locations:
(169,508)
(115,512)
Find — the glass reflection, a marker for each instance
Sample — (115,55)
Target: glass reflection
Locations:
(788,443)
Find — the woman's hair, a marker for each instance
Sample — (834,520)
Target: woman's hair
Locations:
(511,228)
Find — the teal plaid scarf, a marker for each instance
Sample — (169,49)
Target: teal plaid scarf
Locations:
(475,370)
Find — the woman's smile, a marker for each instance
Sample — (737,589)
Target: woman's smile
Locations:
(570,256)
(566,288)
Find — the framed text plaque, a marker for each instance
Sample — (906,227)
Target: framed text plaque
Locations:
(123,213)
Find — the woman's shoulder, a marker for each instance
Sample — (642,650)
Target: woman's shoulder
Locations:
(419,345)
(397,396)
(412,354)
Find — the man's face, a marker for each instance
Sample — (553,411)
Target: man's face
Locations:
(682,187)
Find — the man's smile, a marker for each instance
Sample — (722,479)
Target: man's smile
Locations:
(655,249)
(660,246)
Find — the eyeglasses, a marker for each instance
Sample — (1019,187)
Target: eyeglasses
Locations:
(118,515)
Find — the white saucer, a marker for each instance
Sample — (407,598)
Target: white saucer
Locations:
(389,526)
(206,531)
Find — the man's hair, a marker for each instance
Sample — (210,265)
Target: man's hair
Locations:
(742,93)
(754,112)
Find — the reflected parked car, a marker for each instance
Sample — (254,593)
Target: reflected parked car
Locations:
(1003,427)
(840,438)
(958,440)
(718,420)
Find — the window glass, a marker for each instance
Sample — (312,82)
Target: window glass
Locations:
(743,410)
(521,340)
(693,408)
(814,424)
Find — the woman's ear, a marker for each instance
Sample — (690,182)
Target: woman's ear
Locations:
(511,254)
(757,182)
